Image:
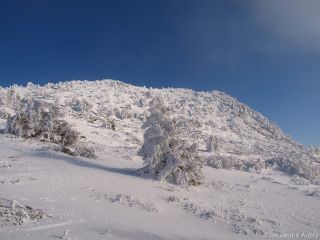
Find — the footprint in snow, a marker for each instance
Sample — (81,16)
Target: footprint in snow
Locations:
(13,181)
(4,164)
(14,158)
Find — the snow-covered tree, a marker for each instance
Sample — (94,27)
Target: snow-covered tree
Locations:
(166,156)
(212,144)
(41,120)
(317,151)
(10,99)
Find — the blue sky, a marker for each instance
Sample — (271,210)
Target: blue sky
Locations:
(264,53)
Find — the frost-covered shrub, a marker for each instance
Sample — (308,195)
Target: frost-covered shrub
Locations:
(109,124)
(285,165)
(4,114)
(212,144)
(250,166)
(220,161)
(173,199)
(64,134)
(140,116)
(315,151)
(14,213)
(38,119)
(105,109)
(168,157)
(81,105)
(210,123)
(9,99)
(32,120)
(296,165)
(118,113)
(224,128)
(140,103)
(315,192)
(299,180)
(232,162)
(215,162)
(122,113)
(188,172)
(84,151)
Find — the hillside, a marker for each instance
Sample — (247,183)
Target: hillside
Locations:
(116,202)
(242,136)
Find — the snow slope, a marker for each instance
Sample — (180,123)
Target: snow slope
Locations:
(105,198)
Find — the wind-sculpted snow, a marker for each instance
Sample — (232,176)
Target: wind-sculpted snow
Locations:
(229,134)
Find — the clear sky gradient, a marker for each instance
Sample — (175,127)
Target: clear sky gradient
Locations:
(264,53)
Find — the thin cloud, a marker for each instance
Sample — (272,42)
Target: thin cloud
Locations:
(291,22)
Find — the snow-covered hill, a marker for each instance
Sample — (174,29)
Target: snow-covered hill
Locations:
(118,204)
(227,132)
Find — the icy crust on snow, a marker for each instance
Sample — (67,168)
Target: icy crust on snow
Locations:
(229,133)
